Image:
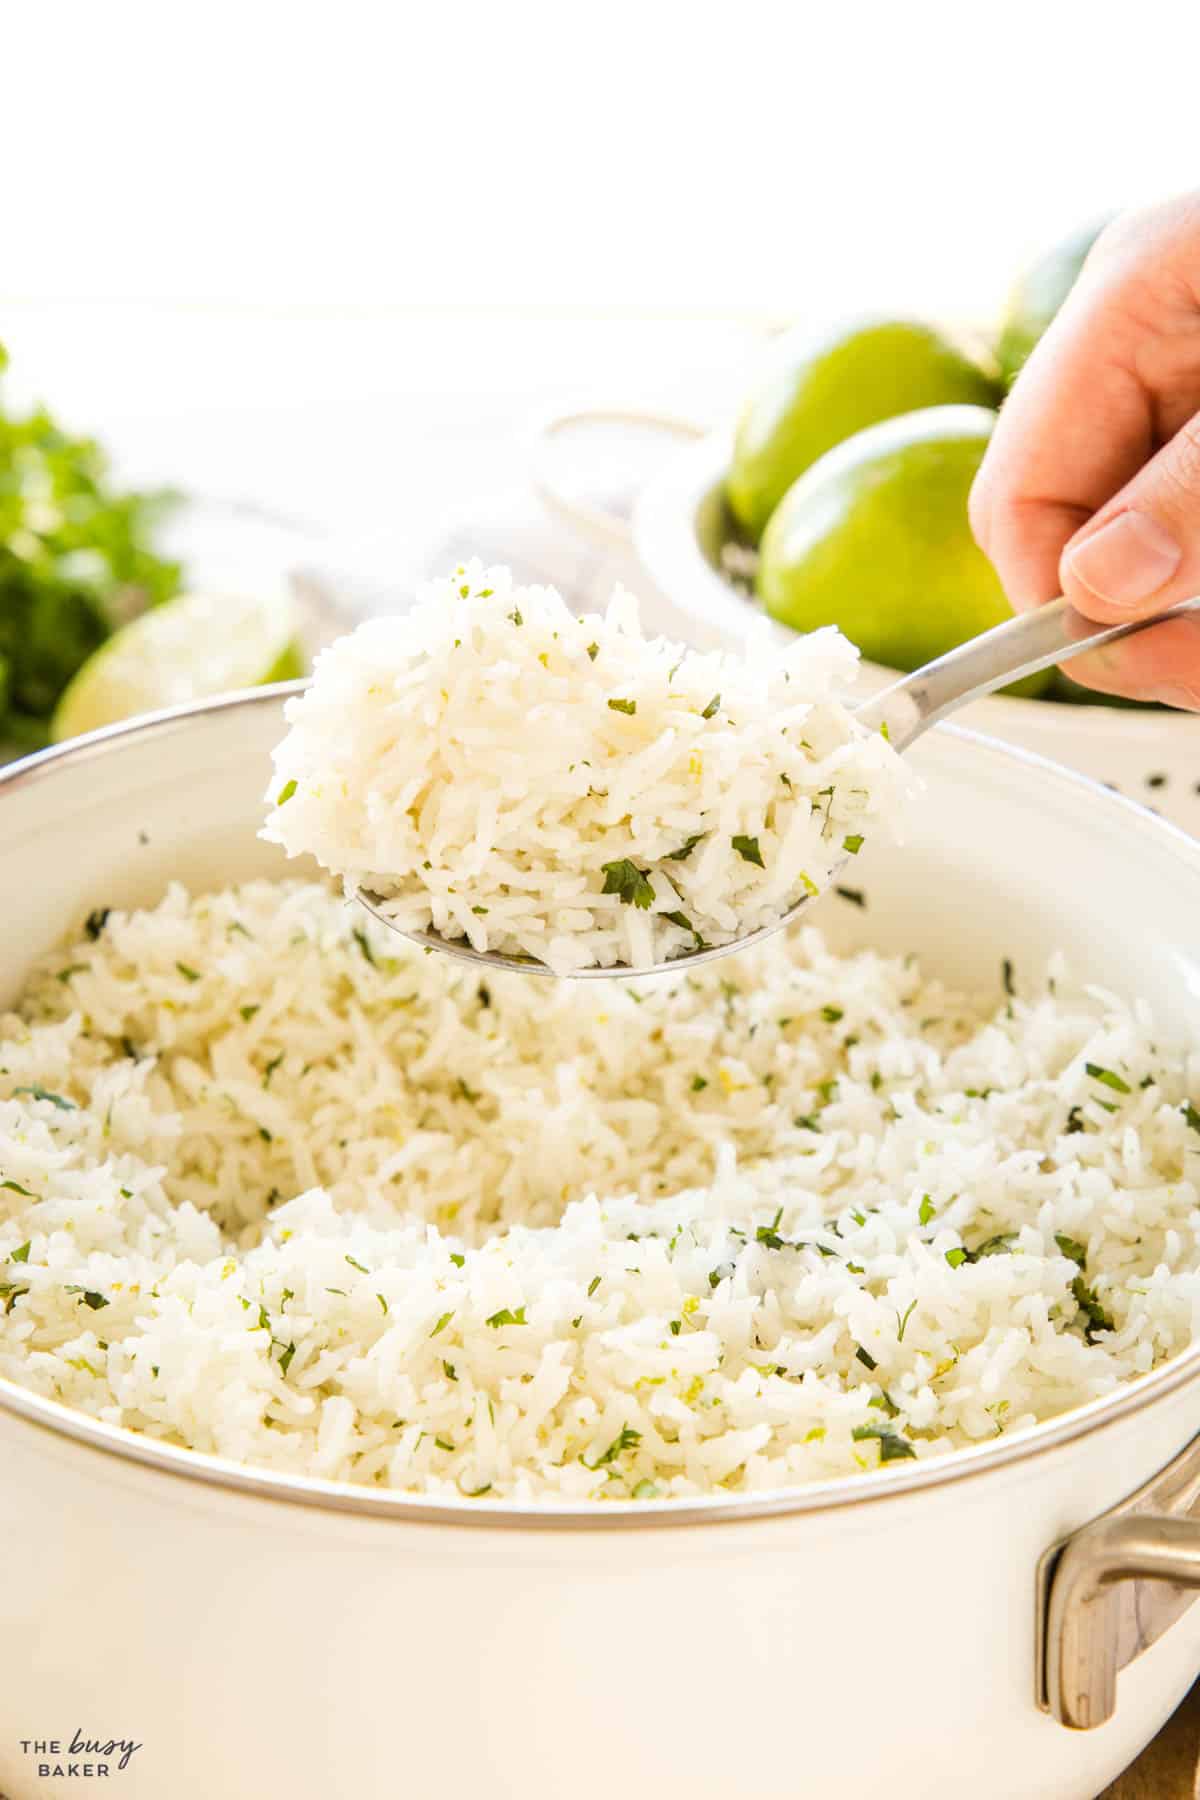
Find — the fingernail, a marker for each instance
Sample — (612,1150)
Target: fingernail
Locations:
(1127,560)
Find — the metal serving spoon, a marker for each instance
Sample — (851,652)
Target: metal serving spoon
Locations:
(1021,646)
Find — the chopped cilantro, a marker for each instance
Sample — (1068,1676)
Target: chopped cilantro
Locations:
(188,974)
(364,943)
(626,1439)
(448,1369)
(506,1317)
(892,1447)
(699,1083)
(1098,1319)
(711,710)
(902,1323)
(285,1358)
(956,1257)
(623,706)
(1075,1121)
(382,1302)
(96,921)
(285,793)
(865,1357)
(442,1322)
(21,1254)
(1006,970)
(855,896)
(357,1265)
(1109,1077)
(41,1093)
(271,1068)
(88,1298)
(832,1014)
(593,1284)
(441,1442)
(593,651)
(1000,1245)
(625,879)
(747,848)
(248,1012)
(456,1259)
(682,854)
(1191,1116)
(1071,1248)
(853,843)
(675,1327)
(926,1210)
(16,1188)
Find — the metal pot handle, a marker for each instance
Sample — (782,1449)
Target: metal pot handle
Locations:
(594,522)
(1110,1590)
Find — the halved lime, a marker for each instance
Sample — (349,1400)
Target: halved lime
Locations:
(188,649)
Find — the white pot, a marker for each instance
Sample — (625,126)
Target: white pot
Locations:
(677,531)
(260,1634)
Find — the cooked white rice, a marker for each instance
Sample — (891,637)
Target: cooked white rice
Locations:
(564,788)
(274,1185)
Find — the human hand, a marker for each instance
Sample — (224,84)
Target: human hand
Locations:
(1091,483)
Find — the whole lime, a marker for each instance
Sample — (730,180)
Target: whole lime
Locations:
(1037,297)
(874,538)
(823,389)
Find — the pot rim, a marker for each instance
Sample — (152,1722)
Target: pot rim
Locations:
(63,1421)
(665,538)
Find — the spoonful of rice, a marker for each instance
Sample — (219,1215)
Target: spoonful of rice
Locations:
(501,780)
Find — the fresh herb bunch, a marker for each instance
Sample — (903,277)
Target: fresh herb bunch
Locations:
(75,562)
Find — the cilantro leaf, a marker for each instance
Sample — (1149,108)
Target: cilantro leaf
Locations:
(1108,1077)
(506,1317)
(747,848)
(683,854)
(625,879)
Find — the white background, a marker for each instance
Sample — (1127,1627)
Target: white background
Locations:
(326,254)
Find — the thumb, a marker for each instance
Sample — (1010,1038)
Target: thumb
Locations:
(1141,551)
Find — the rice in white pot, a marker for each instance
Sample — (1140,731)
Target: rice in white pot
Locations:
(275,1185)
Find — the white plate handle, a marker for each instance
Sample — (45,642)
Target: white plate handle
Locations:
(595,522)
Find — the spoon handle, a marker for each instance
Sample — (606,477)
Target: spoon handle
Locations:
(1021,646)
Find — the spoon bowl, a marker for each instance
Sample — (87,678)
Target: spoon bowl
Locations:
(903,712)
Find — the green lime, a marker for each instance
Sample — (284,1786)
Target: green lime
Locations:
(187,649)
(823,389)
(875,538)
(1037,297)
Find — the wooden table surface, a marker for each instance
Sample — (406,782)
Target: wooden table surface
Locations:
(1167,1769)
